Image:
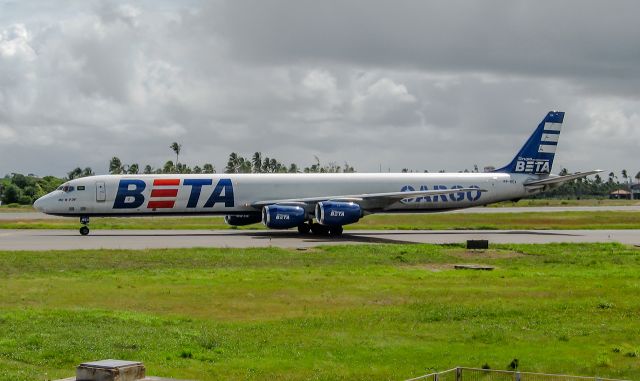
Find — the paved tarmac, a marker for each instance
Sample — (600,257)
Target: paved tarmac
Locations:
(142,239)
(10,216)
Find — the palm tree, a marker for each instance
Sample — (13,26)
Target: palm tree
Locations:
(208,168)
(75,173)
(87,172)
(256,160)
(638,177)
(168,167)
(133,169)
(232,163)
(115,166)
(176,148)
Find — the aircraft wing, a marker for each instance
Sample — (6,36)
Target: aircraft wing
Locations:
(556,180)
(367,200)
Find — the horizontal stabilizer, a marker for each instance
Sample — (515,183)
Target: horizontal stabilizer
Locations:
(560,179)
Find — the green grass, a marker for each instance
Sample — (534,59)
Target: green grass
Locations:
(342,312)
(564,202)
(13,208)
(435,221)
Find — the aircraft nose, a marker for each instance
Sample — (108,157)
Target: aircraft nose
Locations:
(40,204)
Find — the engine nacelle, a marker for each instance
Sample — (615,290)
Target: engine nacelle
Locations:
(283,216)
(242,219)
(334,213)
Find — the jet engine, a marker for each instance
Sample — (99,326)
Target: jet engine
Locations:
(242,219)
(283,216)
(334,213)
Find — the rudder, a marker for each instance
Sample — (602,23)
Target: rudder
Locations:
(536,156)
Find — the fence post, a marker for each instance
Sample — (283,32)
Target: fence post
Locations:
(517,376)
(458,374)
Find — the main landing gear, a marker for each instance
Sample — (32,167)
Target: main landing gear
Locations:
(317,229)
(84,230)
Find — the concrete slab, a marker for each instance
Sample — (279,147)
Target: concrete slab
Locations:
(110,370)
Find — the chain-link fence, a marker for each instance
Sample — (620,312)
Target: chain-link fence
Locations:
(475,374)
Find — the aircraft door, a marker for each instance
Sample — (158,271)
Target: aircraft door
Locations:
(101,192)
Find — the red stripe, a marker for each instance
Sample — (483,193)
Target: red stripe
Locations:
(160,204)
(164,193)
(166,182)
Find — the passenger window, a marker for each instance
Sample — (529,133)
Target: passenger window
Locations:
(80,187)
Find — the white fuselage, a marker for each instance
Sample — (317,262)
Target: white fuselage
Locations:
(228,194)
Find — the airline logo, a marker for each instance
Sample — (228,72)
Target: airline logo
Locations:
(532,166)
(164,193)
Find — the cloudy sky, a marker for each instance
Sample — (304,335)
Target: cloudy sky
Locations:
(398,84)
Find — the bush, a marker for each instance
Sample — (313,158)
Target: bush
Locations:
(11,195)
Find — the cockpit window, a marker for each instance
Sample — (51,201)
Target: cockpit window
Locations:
(68,188)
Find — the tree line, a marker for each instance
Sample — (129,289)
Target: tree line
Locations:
(591,187)
(22,189)
(235,164)
(25,189)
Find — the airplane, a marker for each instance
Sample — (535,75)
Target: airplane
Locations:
(285,201)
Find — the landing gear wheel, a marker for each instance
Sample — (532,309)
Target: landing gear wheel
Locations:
(318,229)
(304,228)
(335,231)
(84,220)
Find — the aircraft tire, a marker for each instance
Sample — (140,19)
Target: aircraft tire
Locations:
(335,231)
(84,230)
(304,228)
(318,229)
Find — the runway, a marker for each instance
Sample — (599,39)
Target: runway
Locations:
(145,239)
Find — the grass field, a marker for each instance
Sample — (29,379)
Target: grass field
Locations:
(366,312)
(436,221)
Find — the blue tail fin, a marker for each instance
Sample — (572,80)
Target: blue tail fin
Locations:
(536,156)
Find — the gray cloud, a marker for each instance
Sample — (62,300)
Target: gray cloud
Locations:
(422,85)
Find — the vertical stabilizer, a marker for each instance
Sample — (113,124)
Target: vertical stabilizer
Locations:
(536,156)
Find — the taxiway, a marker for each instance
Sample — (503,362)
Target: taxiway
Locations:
(145,239)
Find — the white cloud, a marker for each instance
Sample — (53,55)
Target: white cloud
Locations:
(320,81)
(384,102)
(14,42)
(402,84)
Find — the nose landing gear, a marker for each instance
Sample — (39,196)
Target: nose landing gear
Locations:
(84,229)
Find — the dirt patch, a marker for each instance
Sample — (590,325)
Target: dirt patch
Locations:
(437,267)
